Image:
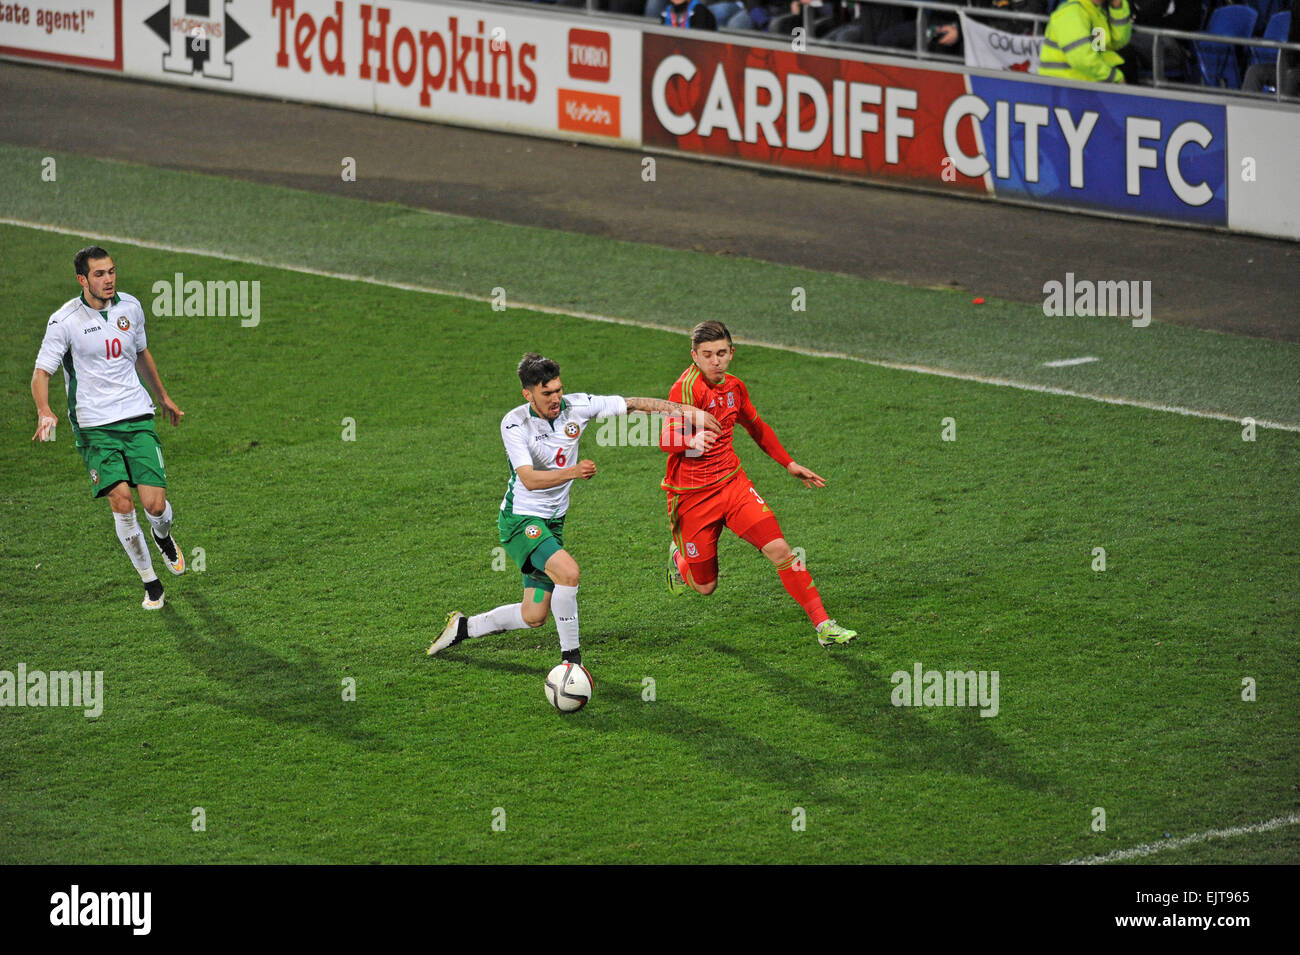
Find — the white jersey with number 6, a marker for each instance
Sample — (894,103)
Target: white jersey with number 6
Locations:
(531,440)
(97,352)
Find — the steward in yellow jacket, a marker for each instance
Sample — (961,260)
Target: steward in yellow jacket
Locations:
(1082,40)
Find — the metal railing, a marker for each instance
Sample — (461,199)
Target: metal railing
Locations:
(1157,53)
(1039,21)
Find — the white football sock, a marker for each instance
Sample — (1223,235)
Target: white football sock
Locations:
(132,538)
(162,525)
(564,604)
(507,617)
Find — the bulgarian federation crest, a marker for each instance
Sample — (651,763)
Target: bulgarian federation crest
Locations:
(532,530)
(571,429)
(124,323)
(94,476)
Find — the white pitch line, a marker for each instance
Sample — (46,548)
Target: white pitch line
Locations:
(1152,848)
(652,326)
(1066,362)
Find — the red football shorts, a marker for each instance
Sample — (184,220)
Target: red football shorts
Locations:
(697,518)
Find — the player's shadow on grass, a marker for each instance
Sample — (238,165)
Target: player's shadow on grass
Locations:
(259,683)
(501,666)
(718,743)
(961,741)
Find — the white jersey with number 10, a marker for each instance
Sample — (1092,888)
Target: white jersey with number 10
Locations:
(97,352)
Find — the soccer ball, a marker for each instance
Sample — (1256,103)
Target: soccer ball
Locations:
(568,687)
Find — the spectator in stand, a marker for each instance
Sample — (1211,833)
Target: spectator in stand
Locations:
(1011,25)
(943,32)
(783,17)
(757,15)
(631,8)
(1261,75)
(1071,52)
(1165,15)
(869,21)
(824,18)
(689,14)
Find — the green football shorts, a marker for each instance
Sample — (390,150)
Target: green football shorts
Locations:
(123,451)
(530,542)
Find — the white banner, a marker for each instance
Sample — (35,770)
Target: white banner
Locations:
(70,32)
(993,49)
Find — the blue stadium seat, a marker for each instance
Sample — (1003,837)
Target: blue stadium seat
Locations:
(1220,65)
(1265,9)
(1208,8)
(1279,25)
(722,12)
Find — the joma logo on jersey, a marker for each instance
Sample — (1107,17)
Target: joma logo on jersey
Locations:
(198,34)
(571,429)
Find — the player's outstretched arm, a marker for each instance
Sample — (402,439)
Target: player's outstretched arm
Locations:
(803,474)
(696,416)
(45,418)
(766,439)
(535,480)
(149,373)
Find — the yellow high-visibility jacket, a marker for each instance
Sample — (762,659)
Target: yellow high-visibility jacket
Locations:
(1069,51)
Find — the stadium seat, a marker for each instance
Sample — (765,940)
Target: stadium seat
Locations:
(1279,25)
(1220,65)
(1266,9)
(722,12)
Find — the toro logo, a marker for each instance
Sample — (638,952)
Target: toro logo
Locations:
(589,55)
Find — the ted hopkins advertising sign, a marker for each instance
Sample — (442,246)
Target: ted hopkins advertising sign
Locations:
(1092,147)
(472,64)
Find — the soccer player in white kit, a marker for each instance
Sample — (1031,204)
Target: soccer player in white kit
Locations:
(541,439)
(98,340)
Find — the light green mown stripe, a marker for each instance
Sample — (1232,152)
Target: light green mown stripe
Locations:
(878,321)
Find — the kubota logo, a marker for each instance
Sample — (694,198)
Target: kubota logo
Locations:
(589,55)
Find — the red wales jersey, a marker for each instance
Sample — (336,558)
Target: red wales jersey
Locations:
(689,470)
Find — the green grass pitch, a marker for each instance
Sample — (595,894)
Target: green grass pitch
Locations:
(328,560)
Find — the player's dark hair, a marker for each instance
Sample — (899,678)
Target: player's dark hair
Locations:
(536,370)
(81,261)
(710,331)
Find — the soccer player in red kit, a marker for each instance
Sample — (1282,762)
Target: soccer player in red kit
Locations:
(708,489)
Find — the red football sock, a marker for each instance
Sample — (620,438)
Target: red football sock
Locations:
(682,566)
(799,585)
